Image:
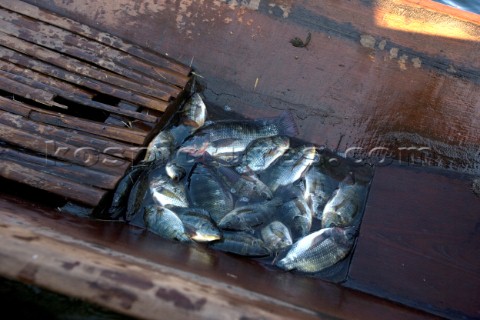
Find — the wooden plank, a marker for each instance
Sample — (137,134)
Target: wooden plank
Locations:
(18,58)
(127,286)
(27,82)
(75,191)
(83,49)
(15,171)
(72,137)
(101,129)
(78,67)
(14,107)
(45,80)
(25,91)
(85,156)
(235,284)
(152,57)
(419,242)
(69,171)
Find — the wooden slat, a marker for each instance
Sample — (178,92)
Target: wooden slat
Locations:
(27,82)
(78,67)
(101,129)
(64,170)
(23,60)
(87,157)
(25,91)
(15,171)
(14,107)
(47,81)
(73,45)
(91,33)
(72,137)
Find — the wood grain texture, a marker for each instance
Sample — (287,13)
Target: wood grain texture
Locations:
(122,256)
(81,193)
(159,60)
(419,242)
(69,171)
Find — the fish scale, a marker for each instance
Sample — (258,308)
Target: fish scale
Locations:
(207,192)
(165,223)
(319,250)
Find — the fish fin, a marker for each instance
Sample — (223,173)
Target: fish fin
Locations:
(320,238)
(286,124)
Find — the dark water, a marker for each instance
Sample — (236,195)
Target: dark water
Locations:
(467,5)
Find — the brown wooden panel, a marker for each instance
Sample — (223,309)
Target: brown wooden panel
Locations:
(14,107)
(71,137)
(69,171)
(76,46)
(13,170)
(23,60)
(50,90)
(102,37)
(243,284)
(85,156)
(25,91)
(419,242)
(101,129)
(48,82)
(77,66)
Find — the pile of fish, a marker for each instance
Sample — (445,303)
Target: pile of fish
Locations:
(242,186)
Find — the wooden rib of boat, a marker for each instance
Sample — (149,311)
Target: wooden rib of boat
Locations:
(393,83)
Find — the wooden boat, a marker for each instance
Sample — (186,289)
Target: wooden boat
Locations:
(392,83)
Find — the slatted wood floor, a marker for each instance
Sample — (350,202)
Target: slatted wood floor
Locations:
(77,105)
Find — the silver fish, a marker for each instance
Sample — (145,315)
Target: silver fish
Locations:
(200,226)
(120,197)
(165,223)
(319,187)
(261,153)
(276,236)
(297,214)
(174,171)
(207,192)
(241,243)
(319,250)
(341,209)
(161,147)
(247,185)
(139,194)
(289,168)
(248,216)
(165,192)
(227,150)
(194,112)
(243,131)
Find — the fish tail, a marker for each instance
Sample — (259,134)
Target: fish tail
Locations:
(286,124)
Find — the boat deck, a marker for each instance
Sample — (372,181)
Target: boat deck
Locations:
(378,76)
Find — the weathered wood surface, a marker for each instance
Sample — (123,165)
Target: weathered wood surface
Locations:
(72,137)
(65,170)
(25,61)
(419,242)
(161,61)
(16,171)
(67,42)
(139,274)
(77,66)
(78,97)
(84,156)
